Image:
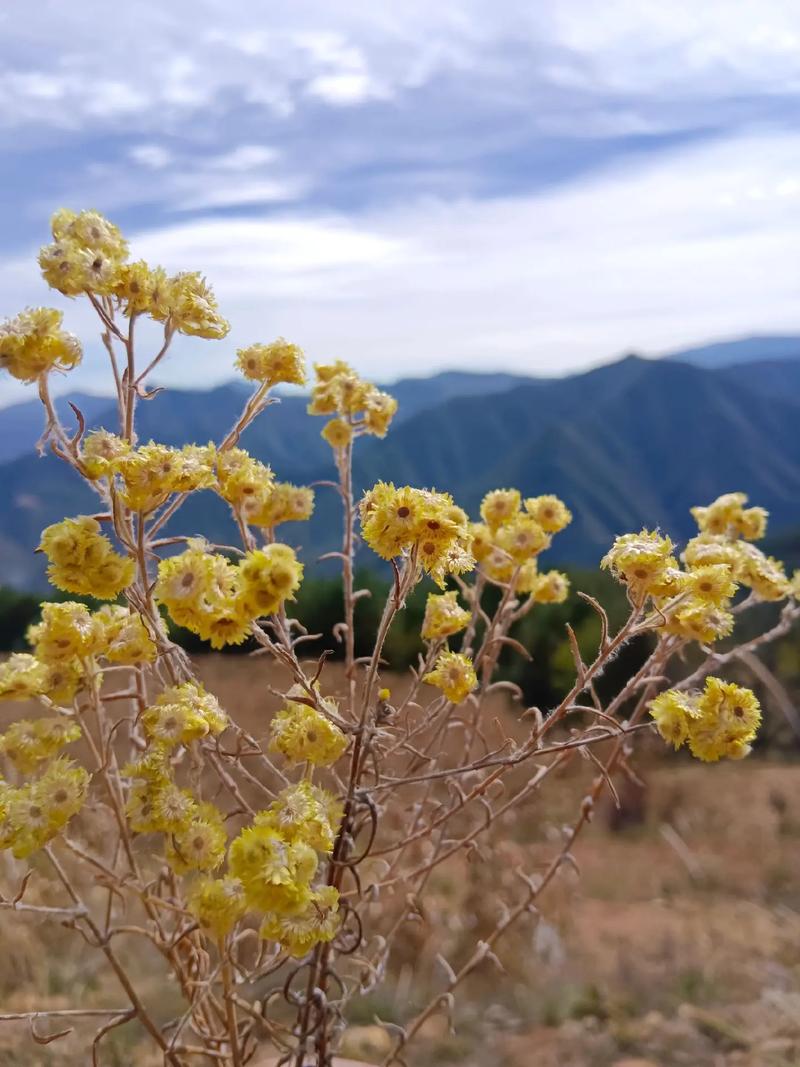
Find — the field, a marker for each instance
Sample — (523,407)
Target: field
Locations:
(677,943)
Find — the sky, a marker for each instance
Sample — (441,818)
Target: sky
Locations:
(535,187)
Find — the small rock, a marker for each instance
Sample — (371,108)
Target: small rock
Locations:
(367,1042)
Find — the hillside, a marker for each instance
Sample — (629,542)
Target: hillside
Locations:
(627,444)
(740,350)
(198,414)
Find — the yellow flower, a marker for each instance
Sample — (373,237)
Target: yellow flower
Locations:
(35,813)
(301,733)
(705,550)
(454,675)
(62,791)
(135,285)
(201,845)
(67,631)
(282,502)
(443,616)
(337,433)
(317,923)
(152,767)
(551,588)
(100,451)
(202,592)
(63,680)
(338,390)
(699,621)
(521,538)
(83,560)
(188,301)
(243,481)
(306,813)
(22,677)
(184,713)
(126,640)
(396,521)
(217,904)
(644,562)
(550,512)
(481,544)
(752,523)
(275,873)
(33,343)
(498,566)
(528,578)
(379,410)
(719,722)
(763,574)
(499,507)
(29,742)
(269,576)
(153,472)
(173,808)
(711,584)
(87,254)
(723,516)
(273,363)
(673,711)
(729,716)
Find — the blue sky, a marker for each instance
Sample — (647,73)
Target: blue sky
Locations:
(414,186)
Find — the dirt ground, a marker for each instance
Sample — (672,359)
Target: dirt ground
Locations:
(677,943)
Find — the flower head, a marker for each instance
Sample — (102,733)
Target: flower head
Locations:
(719,722)
(317,923)
(217,904)
(443,616)
(277,362)
(454,674)
(302,733)
(33,343)
(83,560)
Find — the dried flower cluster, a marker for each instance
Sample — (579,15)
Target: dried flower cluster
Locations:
(274,874)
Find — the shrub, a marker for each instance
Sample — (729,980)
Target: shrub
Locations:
(276,874)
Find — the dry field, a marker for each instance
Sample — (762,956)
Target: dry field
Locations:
(678,943)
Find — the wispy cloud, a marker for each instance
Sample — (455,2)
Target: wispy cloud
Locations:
(418,184)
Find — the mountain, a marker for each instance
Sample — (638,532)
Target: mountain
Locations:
(740,350)
(632,443)
(198,414)
(772,377)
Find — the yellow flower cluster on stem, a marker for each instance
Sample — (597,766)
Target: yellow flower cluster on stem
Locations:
(426,526)
(33,343)
(694,601)
(721,722)
(357,406)
(513,534)
(206,593)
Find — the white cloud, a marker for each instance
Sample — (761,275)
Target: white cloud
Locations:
(218,106)
(196,192)
(152,156)
(344,89)
(671,253)
(63,67)
(245,157)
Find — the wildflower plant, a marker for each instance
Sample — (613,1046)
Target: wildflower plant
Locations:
(275,875)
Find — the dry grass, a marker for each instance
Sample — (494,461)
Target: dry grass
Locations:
(678,943)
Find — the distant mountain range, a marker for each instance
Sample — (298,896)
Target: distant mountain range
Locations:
(740,350)
(630,443)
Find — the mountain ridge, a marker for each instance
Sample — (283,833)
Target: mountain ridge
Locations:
(632,443)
